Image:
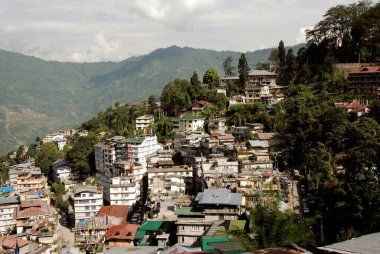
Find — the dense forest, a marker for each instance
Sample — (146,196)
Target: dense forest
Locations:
(337,154)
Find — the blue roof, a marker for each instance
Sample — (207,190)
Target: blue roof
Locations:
(6,189)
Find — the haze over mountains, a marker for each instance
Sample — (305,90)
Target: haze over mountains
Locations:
(38,96)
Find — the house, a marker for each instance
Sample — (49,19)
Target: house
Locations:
(219,204)
(354,107)
(151,231)
(144,121)
(217,124)
(19,169)
(31,180)
(8,245)
(169,180)
(47,231)
(8,205)
(30,211)
(366,81)
(199,106)
(62,173)
(120,236)
(187,123)
(87,202)
(115,212)
(236,100)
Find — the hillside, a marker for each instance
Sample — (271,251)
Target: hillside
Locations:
(39,96)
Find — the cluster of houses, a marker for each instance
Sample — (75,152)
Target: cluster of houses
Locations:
(181,197)
(28,220)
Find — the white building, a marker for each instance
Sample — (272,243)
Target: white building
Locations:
(62,172)
(87,202)
(121,164)
(217,124)
(187,123)
(7,209)
(139,147)
(144,121)
(124,190)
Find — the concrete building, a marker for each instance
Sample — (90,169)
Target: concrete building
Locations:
(219,204)
(31,211)
(31,180)
(87,202)
(62,173)
(22,168)
(144,121)
(124,190)
(168,180)
(187,123)
(366,81)
(8,205)
(217,124)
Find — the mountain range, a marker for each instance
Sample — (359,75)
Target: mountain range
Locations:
(38,96)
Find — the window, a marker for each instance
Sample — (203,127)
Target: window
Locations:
(91,195)
(194,228)
(83,195)
(88,214)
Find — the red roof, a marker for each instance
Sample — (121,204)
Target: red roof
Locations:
(29,212)
(369,69)
(9,242)
(119,211)
(352,105)
(32,203)
(127,232)
(204,103)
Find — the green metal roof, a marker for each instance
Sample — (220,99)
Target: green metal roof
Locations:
(188,211)
(135,140)
(151,225)
(140,235)
(237,225)
(187,117)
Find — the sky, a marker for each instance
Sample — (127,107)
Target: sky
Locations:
(113,30)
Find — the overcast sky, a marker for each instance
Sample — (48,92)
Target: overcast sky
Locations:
(113,30)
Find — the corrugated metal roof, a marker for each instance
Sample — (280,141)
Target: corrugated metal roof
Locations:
(366,244)
(219,196)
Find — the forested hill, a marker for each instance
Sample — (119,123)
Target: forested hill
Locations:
(38,96)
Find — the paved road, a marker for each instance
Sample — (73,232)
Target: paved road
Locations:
(67,236)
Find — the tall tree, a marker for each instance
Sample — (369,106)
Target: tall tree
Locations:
(46,156)
(281,63)
(211,77)
(243,72)
(228,67)
(290,69)
(195,84)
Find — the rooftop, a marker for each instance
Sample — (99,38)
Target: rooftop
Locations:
(187,118)
(261,73)
(126,232)
(9,200)
(219,197)
(119,211)
(365,244)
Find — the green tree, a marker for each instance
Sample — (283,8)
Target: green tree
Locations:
(243,72)
(45,157)
(281,63)
(195,84)
(81,156)
(211,78)
(274,228)
(228,67)
(177,94)
(58,189)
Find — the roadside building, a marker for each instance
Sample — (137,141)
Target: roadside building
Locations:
(87,202)
(187,123)
(8,205)
(144,121)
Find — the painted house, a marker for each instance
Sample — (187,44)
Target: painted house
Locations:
(187,123)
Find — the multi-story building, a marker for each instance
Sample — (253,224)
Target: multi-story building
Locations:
(30,211)
(8,205)
(31,180)
(187,123)
(169,180)
(144,121)
(87,202)
(121,164)
(366,80)
(22,168)
(62,172)
(219,204)
(217,124)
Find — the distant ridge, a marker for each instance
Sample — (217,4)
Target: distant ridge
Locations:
(38,96)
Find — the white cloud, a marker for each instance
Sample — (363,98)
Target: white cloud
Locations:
(302,34)
(72,30)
